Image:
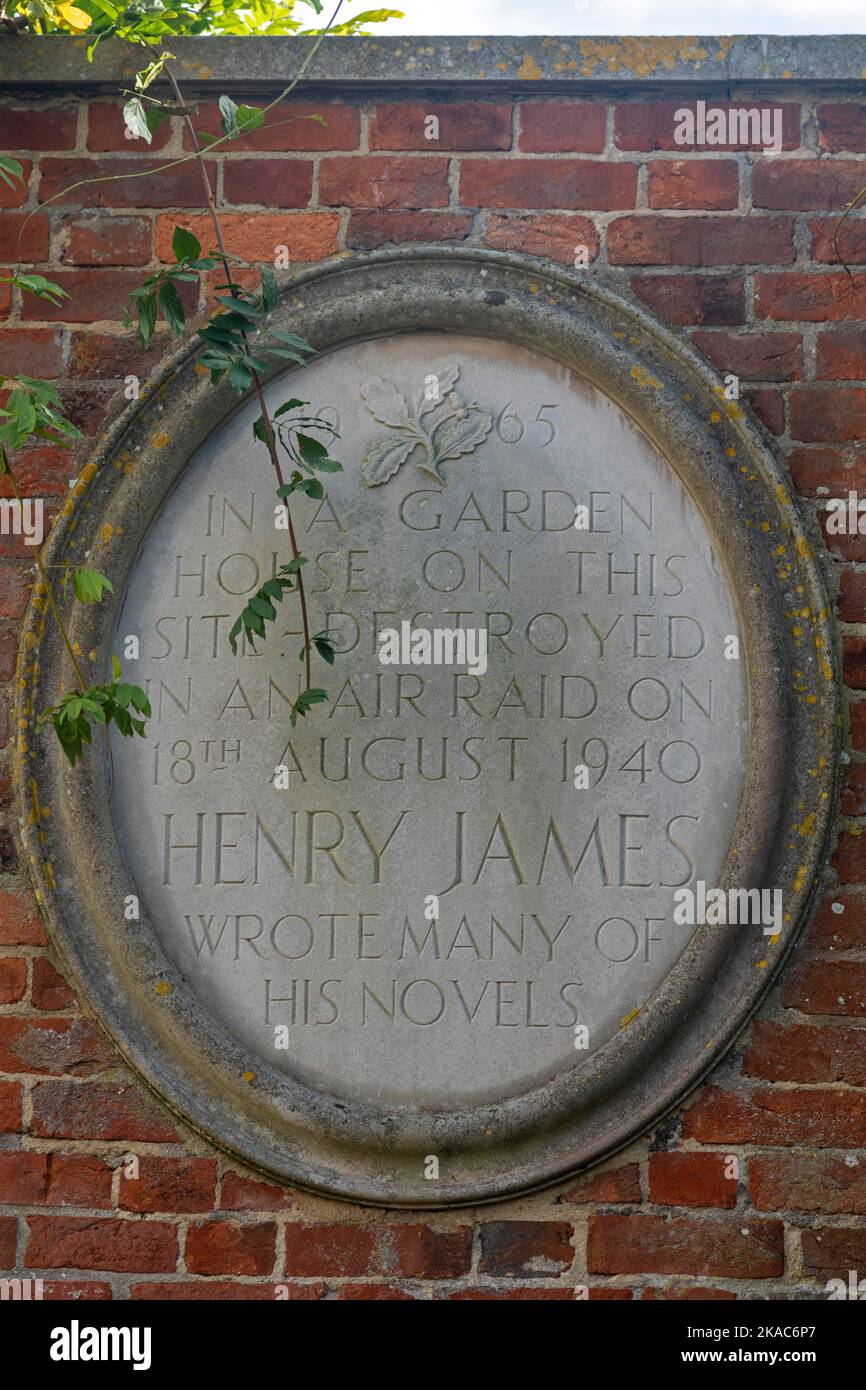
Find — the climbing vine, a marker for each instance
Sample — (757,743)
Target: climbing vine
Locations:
(238,343)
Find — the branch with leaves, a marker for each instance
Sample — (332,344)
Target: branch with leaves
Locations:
(239,343)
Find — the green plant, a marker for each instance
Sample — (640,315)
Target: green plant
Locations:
(237,339)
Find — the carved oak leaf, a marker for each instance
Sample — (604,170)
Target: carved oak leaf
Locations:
(385,402)
(446,376)
(461,434)
(383,459)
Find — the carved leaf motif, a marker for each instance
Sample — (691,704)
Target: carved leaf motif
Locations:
(458,435)
(383,459)
(385,402)
(446,376)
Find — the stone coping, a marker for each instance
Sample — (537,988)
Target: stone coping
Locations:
(500,63)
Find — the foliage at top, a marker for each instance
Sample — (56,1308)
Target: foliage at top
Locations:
(152,21)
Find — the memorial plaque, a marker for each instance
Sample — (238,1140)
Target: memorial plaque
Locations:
(434,920)
(306,905)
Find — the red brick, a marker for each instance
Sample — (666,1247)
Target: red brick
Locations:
(690,1180)
(842,354)
(808,1182)
(518,1295)
(43,472)
(368,230)
(107,241)
(845,930)
(381,182)
(112,356)
(240,1193)
(850,858)
(650,125)
(24,237)
(526,1249)
(93,295)
(75,1290)
(614,1185)
(32,351)
(37,127)
(694,183)
(288,127)
(556,236)
(310,236)
(806,184)
(700,299)
(562,126)
(826,987)
(695,1292)
(8,1234)
(547,183)
(16,195)
(10,1107)
(169,1184)
(13,984)
(8,853)
(810,297)
(463,125)
(85,1242)
(768,405)
(638,1244)
(97,1110)
(47,1180)
(214,1289)
(20,923)
(275,183)
(754,356)
(849,237)
(830,1253)
(371,1293)
(329,1249)
(842,126)
(50,990)
(833,414)
(8,650)
(700,241)
(414,1251)
(106,131)
(820,1119)
(54,1045)
(814,468)
(179,187)
(857,717)
(222,1247)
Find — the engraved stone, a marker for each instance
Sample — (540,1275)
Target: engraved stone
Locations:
(465,463)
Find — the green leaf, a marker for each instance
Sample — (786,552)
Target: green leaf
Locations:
(185,246)
(11,170)
(146,318)
(240,377)
(172,309)
(249,118)
(269,289)
(305,702)
(260,432)
(38,285)
(90,584)
(288,405)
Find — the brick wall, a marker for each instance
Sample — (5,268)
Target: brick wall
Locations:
(734,250)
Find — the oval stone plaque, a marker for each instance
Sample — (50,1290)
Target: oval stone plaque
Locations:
(436,919)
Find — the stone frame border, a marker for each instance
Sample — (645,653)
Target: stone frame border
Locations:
(259,1115)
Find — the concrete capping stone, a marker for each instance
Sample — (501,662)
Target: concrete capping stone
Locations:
(503,64)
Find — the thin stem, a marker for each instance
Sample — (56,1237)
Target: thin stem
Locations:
(37,555)
(269,429)
(184,159)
